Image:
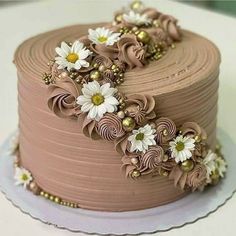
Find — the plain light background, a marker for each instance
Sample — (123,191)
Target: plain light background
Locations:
(19,22)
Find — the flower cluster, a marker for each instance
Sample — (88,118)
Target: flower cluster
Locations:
(83,84)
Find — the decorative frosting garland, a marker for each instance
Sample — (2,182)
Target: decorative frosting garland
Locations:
(83,82)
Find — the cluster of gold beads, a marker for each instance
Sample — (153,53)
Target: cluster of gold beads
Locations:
(57,200)
(156,51)
(47,78)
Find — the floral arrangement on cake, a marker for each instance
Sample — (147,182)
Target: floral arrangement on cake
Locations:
(83,81)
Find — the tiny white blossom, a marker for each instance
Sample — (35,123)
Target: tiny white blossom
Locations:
(142,138)
(22,177)
(210,163)
(97,100)
(72,57)
(103,36)
(221,166)
(181,148)
(136,18)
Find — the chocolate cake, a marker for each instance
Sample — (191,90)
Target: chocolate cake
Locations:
(146,139)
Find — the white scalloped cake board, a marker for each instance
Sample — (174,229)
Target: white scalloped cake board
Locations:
(191,208)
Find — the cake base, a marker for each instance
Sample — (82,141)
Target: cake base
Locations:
(193,207)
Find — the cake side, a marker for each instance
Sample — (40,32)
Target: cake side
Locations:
(67,164)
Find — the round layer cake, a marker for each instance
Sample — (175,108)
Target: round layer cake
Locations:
(73,167)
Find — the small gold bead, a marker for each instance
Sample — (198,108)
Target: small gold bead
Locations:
(42,193)
(215,177)
(121,114)
(156,23)
(128,123)
(95,75)
(143,37)
(134,29)
(164,172)
(72,205)
(119,18)
(57,200)
(95,65)
(114,67)
(46,195)
(165,132)
(101,68)
(187,165)
(51,198)
(134,160)
(197,139)
(165,158)
(172,46)
(135,174)
(136,5)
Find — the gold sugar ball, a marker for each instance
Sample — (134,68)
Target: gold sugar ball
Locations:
(119,18)
(121,114)
(128,123)
(57,200)
(72,205)
(34,188)
(95,75)
(135,174)
(95,65)
(51,198)
(136,5)
(197,139)
(143,37)
(46,195)
(134,160)
(156,23)
(101,68)
(165,132)
(187,165)
(164,173)
(41,193)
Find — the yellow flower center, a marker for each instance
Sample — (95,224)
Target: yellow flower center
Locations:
(102,39)
(97,99)
(139,136)
(24,177)
(179,146)
(72,57)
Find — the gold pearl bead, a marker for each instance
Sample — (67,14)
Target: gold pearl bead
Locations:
(102,68)
(46,195)
(134,160)
(95,75)
(121,114)
(42,193)
(165,132)
(164,173)
(95,65)
(143,37)
(187,165)
(57,200)
(136,5)
(197,139)
(135,174)
(128,123)
(119,18)
(51,198)
(156,23)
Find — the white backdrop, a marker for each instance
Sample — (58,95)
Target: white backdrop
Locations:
(19,22)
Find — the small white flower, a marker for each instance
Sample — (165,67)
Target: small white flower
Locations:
(136,18)
(181,148)
(221,166)
(142,138)
(22,177)
(103,36)
(72,57)
(210,163)
(97,100)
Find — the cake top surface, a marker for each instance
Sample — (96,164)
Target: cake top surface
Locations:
(108,77)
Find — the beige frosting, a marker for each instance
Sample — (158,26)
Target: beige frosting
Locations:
(65,163)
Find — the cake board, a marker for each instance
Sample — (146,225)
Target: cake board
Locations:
(191,208)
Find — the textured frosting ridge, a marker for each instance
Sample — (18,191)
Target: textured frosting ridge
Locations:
(184,85)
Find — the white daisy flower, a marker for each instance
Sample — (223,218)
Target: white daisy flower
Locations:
(221,166)
(181,148)
(142,138)
(72,57)
(22,177)
(210,163)
(97,100)
(136,18)
(103,36)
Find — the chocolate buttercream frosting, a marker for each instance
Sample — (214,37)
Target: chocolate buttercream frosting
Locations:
(184,85)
